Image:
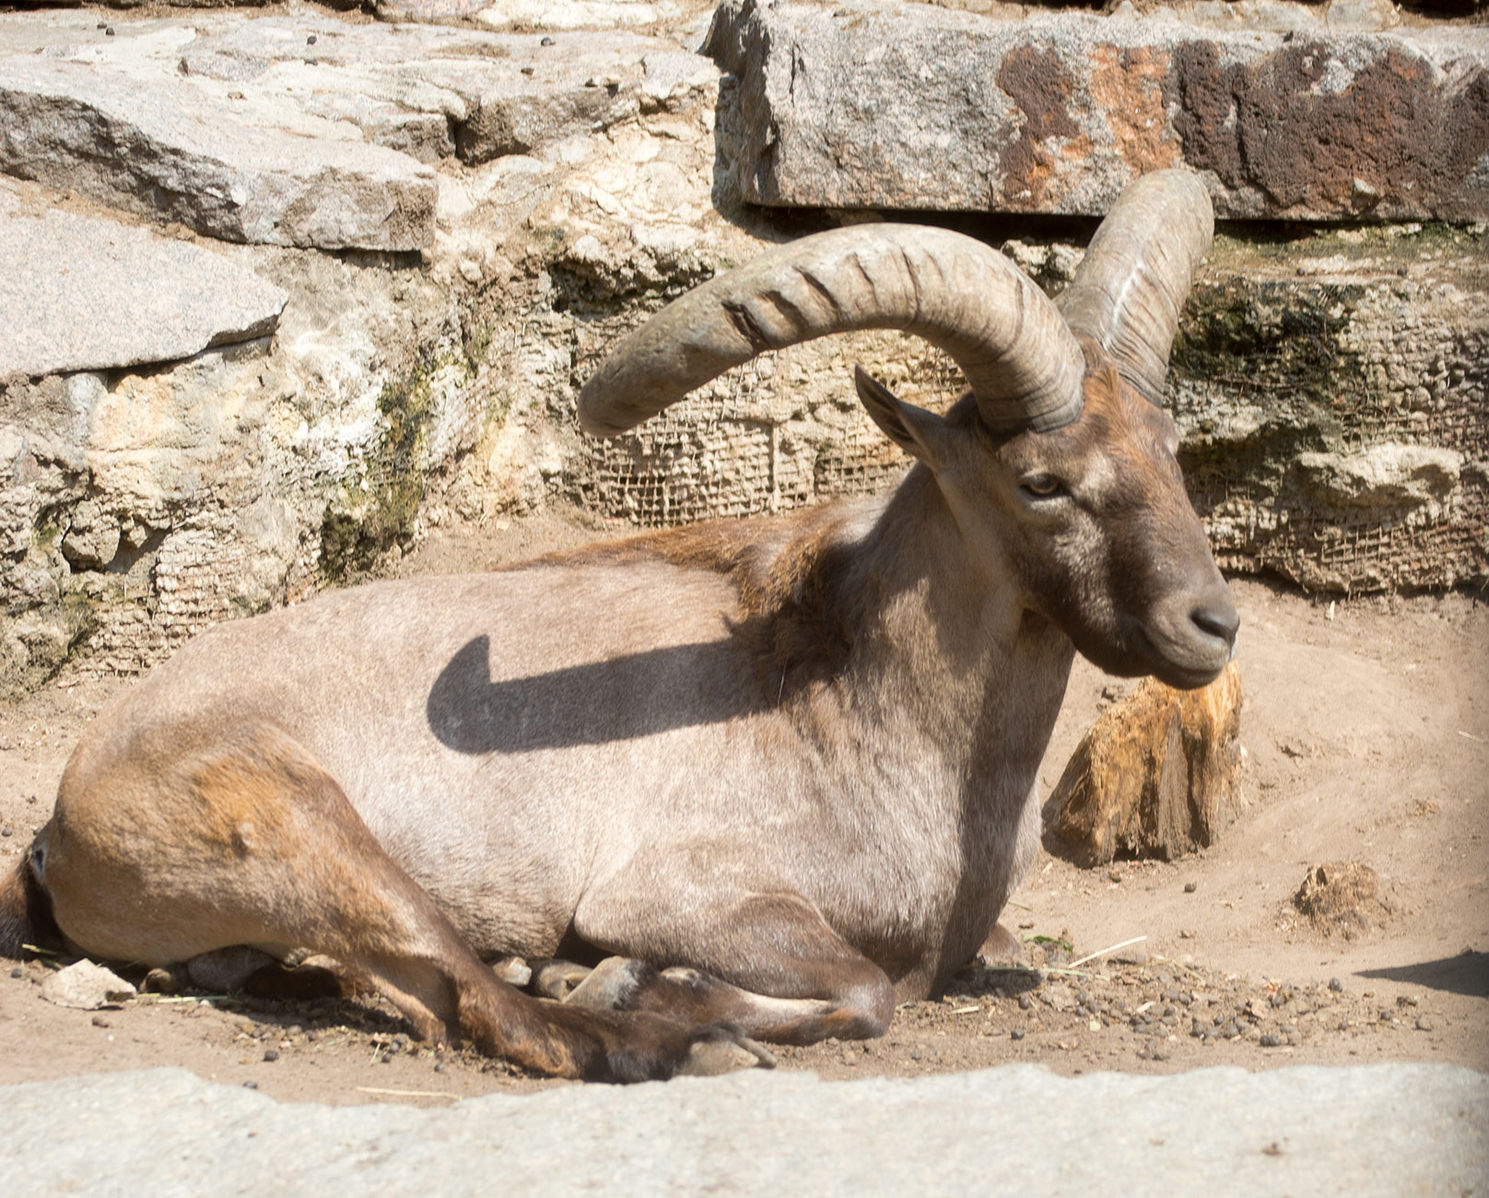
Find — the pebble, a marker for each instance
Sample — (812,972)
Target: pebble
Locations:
(17,972)
(250,1085)
(1271,1041)
(1190,887)
(1335,985)
(1016,1034)
(1424,1024)
(271,1054)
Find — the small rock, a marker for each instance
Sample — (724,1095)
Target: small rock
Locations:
(250,1085)
(1190,887)
(1271,1041)
(1059,996)
(100,1021)
(1424,1024)
(17,972)
(271,1054)
(1336,985)
(86,986)
(1016,1034)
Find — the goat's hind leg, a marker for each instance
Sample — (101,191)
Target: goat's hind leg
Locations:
(767,961)
(158,857)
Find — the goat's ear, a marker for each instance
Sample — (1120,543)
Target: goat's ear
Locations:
(919,433)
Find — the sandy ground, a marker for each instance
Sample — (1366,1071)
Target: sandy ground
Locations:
(1366,729)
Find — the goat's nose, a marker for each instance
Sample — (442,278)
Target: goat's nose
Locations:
(1220,620)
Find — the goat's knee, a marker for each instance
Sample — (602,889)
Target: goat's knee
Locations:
(866,1007)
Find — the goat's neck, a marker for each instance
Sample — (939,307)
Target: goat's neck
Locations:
(941,651)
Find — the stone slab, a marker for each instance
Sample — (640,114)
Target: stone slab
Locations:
(881,105)
(81,293)
(1377,1130)
(304,129)
(161,147)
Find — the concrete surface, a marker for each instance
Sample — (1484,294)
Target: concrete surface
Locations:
(1387,1130)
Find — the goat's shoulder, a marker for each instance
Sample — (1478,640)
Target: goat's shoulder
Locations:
(791,575)
(770,559)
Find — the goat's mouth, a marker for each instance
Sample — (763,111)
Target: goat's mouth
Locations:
(1183,654)
(1189,661)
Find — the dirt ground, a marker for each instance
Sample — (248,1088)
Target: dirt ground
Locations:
(1366,730)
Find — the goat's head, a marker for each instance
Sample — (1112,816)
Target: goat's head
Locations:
(1057,465)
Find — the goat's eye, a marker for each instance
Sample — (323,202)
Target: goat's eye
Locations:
(1041,486)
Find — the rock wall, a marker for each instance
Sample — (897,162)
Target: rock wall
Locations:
(285,287)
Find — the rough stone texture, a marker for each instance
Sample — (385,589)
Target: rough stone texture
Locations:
(1376,1130)
(137,507)
(547,15)
(1333,393)
(304,130)
(86,986)
(872,105)
(87,294)
(159,147)
(1157,775)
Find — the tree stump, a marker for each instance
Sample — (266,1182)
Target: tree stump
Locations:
(1157,775)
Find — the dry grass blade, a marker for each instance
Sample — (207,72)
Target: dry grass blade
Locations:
(406,1093)
(1104,951)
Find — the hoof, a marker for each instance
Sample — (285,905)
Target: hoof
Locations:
(612,985)
(1001,948)
(513,970)
(557,979)
(724,1050)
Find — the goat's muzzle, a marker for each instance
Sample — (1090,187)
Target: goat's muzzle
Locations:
(1193,635)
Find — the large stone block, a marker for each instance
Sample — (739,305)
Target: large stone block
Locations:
(162,147)
(87,294)
(868,105)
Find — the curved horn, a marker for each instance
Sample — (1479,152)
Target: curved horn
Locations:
(1130,286)
(1022,361)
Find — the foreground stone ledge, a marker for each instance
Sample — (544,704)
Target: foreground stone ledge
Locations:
(82,293)
(1377,1130)
(866,105)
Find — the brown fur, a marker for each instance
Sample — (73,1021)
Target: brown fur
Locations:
(25,913)
(789,572)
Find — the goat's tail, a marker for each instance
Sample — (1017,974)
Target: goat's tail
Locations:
(25,912)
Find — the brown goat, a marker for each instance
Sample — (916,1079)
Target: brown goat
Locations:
(782,769)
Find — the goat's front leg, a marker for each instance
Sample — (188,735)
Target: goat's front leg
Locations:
(766,961)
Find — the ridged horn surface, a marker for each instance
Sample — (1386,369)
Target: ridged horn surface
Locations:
(1132,283)
(1020,359)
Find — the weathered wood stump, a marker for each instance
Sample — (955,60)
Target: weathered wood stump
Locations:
(1157,775)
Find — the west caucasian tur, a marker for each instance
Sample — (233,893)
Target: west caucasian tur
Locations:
(778,773)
